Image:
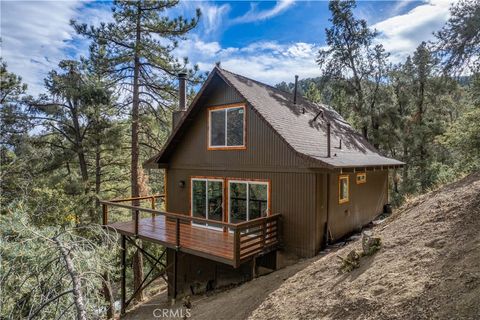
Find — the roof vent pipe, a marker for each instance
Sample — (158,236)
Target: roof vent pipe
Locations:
(182,91)
(182,100)
(328,140)
(295,90)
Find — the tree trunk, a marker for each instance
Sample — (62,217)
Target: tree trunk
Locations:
(77,288)
(137,259)
(98,177)
(422,151)
(107,293)
(79,148)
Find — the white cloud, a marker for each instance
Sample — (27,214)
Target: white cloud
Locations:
(213,16)
(267,61)
(401,34)
(36,35)
(255,15)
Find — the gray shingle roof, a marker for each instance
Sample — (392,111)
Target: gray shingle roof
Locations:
(301,126)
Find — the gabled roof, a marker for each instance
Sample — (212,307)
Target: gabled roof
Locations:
(302,126)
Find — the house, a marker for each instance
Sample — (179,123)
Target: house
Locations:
(258,177)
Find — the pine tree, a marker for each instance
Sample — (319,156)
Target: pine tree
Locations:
(68,116)
(353,59)
(458,42)
(140,43)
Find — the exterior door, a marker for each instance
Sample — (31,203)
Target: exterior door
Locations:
(247,200)
(207,200)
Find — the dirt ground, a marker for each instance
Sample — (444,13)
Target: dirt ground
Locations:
(428,268)
(232,304)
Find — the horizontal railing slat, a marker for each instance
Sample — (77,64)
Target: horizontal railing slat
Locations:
(249,237)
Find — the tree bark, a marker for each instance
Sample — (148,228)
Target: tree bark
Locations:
(77,287)
(137,259)
(107,293)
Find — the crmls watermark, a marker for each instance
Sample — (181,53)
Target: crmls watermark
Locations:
(172,313)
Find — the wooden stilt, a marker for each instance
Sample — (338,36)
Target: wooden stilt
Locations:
(124,267)
(175,262)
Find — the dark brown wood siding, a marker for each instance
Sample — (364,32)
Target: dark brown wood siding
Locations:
(321,209)
(366,201)
(292,195)
(265,149)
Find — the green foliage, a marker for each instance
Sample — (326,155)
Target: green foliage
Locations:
(34,279)
(462,139)
(355,62)
(458,42)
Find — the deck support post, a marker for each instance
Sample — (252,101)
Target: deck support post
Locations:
(153,206)
(124,266)
(175,263)
(136,222)
(236,247)
(105,214)
(175,257)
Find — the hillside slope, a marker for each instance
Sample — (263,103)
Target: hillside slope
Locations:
(428,267)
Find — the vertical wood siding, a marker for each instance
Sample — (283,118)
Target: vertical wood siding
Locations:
(366,201)
(292,195)
(264,147)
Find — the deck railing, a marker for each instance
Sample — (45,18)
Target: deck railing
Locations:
(249,238)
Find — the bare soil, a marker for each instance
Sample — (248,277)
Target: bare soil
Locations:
(427,268)
(232,304)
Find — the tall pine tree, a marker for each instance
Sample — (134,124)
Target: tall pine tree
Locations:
(140,44)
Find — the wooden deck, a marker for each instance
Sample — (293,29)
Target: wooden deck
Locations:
(208,243)
(231,243)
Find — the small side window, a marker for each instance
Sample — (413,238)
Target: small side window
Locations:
(361,177)
(343,189)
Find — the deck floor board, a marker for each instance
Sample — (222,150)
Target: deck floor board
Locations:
(215,243)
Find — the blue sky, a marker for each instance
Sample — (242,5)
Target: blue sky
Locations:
(267,40)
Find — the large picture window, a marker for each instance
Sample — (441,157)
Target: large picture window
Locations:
(248,200)
(207,200)
(226,127)
(343,189)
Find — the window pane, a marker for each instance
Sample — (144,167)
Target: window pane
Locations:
(198,199)
(217,128)
(235,127)
(238,202)
(215,195)
(258,196)
(343,189)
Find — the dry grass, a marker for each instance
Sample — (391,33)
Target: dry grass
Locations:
(428,267)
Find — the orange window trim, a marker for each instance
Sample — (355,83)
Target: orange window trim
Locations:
(205,178)
(228,106)
(340,178)
(363,176)
(269,187)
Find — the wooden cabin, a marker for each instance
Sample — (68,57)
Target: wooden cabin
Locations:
(257,177)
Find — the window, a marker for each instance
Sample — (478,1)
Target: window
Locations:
(207,200)
(361,177)
(343,188)
(226,127)
(248,200)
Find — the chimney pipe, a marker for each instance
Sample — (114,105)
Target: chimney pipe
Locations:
(182,91)
(328,140)
(295,90)
(182,100)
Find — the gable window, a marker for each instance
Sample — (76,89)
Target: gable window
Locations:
(207,200)
(248,200)
(226,127)
(361,177)
(343,189)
